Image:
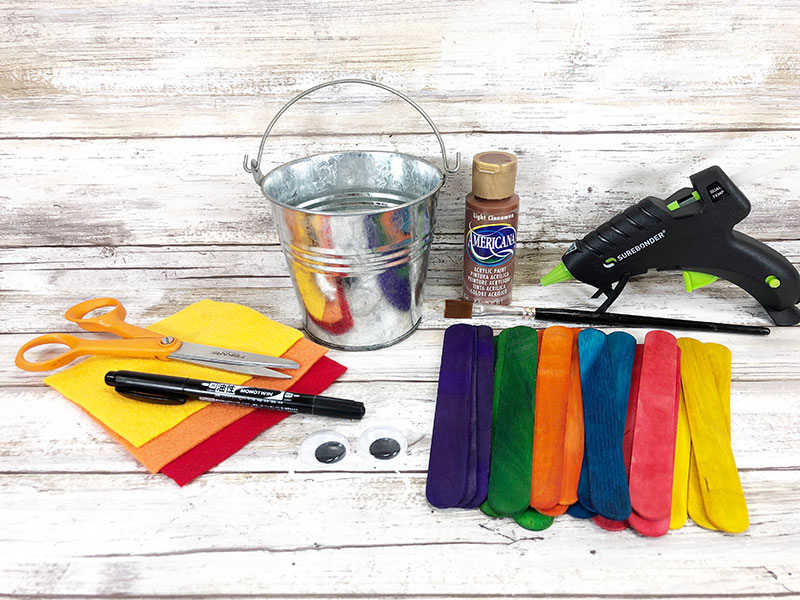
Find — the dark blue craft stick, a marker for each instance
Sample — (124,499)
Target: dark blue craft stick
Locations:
(622,347)
(484,385)
(579,512)
(584,509)
(604,424)
(449,453)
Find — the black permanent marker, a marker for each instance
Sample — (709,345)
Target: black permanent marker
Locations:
(164,389)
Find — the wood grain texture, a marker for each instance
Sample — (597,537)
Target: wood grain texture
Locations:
(121,139)
(207,69)
(194,191)
(271,524)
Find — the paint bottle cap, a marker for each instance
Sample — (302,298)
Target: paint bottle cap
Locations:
(494,174)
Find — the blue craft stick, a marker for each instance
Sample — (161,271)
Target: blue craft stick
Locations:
(484,385)
(579,512)
(449,453)
(584,509)
(622,347)
(604,422)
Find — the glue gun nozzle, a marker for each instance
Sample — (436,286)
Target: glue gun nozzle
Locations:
(557,275)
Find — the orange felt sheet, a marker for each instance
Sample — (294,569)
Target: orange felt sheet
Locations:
(204,423)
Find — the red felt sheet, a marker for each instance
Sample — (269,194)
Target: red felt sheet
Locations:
(212,451)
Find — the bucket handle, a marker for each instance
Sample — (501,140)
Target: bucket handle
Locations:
(255,165)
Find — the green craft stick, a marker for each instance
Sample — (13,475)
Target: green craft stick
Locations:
(512,421)
(488,510)
(527,519)
(533,520)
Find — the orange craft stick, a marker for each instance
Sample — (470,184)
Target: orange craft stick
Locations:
(550,417)
(573,435)
(556,511)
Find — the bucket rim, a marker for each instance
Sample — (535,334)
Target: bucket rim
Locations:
(355,213)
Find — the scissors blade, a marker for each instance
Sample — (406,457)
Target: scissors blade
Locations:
(244,369)
(226,356)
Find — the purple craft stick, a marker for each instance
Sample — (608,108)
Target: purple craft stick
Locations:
(449,453)
(471,482)
(483,368)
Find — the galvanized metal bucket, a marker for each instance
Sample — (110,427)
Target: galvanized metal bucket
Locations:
(356,230)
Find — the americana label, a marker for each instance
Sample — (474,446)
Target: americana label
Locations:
(491,245)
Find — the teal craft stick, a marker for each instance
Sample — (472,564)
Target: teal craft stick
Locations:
(583,509)
(604,411)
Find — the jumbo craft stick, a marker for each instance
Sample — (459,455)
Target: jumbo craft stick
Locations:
(550,419)
(605,402)
(720,486)
(512,421)
(573,434)
(653,451)
(680,475)
(720,358)
(627,440)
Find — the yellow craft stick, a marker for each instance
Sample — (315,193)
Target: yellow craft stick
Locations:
(720,358)
(680,473)
(694,504)
(720,486)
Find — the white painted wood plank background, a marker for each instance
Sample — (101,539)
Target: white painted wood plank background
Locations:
(122,128)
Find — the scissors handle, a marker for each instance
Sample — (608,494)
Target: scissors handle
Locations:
(151,347)
(111,322)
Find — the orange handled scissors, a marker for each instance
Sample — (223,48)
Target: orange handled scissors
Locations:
(138,342)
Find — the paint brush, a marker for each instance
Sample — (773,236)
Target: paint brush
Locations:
(463,309)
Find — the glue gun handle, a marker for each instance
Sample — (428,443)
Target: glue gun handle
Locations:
(759,270)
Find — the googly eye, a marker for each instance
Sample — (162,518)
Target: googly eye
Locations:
(382,443)
(323,448)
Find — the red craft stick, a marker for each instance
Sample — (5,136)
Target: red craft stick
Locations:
(653,449)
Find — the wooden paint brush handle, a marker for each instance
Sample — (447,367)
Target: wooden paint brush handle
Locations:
(588,317)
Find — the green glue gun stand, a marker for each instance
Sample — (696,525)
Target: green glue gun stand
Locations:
(691,231)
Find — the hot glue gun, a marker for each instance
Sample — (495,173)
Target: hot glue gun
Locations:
(691,231)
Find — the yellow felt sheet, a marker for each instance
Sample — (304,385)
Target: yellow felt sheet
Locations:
(219,324)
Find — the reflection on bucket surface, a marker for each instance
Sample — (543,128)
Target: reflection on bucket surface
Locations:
(358,256)
(356,230)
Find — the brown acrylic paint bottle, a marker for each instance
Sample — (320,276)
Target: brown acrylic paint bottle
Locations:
(490,231)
